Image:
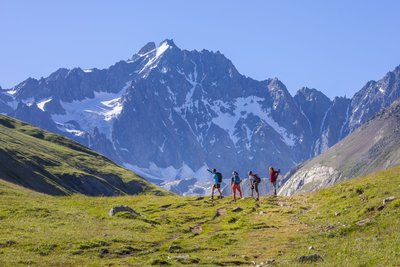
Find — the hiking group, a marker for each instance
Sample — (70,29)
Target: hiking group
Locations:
(254,181)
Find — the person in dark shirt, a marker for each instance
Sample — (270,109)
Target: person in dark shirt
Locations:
(254,182)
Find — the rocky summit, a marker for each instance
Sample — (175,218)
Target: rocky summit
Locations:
(169,114)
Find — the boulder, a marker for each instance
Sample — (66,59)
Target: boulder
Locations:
(122,208)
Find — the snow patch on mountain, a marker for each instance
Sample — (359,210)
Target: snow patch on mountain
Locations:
(227,117)
(92,112)
(12,92)
(159,51)
(43,102)
(70,128)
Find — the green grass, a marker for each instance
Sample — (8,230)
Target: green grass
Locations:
(56,165)
(42,230)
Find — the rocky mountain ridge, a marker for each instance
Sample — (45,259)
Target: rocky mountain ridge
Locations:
(169,113)
(372,147)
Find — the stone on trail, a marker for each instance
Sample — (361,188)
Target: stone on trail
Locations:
(183,256)
(196,229)
(310,258)
(220,212)
(174,248)
(380,208)
(122,208)
(271,261)
(388,199)
(363,222)
(237,209)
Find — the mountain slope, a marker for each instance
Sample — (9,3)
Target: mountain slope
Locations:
(55,165)
(346,225)
(374,146)
(169,114)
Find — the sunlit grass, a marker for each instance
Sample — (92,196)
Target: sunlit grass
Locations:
(42,230)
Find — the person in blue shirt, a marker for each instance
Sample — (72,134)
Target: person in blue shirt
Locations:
(217,176)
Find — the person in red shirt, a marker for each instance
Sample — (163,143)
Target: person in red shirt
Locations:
(273,175)
(235,184)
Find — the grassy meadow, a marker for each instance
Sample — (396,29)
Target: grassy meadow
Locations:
(42,230)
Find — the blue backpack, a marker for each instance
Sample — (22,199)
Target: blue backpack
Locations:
(237,179)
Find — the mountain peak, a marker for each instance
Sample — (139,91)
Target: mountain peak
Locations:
(150,46)
(311,93)
(169,42)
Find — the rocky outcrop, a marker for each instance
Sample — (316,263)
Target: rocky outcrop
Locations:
(122,208)
(372,147)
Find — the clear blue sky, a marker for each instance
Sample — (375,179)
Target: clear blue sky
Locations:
(334,46)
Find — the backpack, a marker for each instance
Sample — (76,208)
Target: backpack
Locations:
(219,177)
(257,178)
(236,179)
(277,173)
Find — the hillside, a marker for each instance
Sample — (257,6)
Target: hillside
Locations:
(56,165)
(372,147)
(346,225)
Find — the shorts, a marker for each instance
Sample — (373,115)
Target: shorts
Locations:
(217,186)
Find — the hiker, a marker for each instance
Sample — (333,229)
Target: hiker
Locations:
(254,182)
(217,182)
(235,184)
(273,175)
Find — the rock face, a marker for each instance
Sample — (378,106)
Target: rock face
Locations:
(372,147)
(169,113)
